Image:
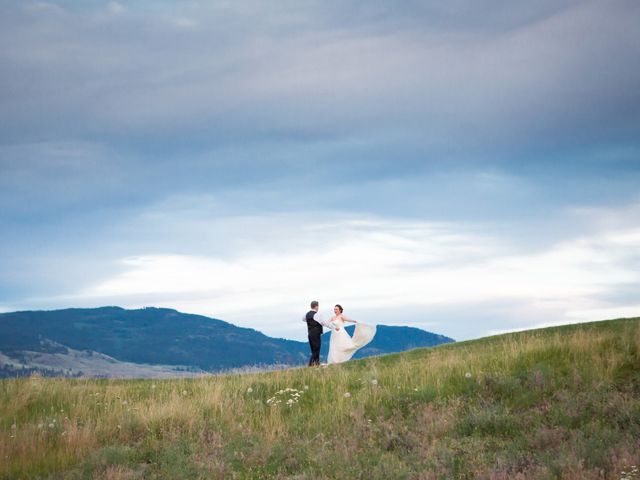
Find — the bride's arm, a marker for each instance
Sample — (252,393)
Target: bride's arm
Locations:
(331,325)
(347,319)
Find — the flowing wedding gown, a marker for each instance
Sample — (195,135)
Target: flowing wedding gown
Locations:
(342,346)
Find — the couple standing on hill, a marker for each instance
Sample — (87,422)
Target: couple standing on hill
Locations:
(341,346)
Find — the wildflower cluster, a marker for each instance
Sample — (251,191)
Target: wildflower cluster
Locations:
(288,396)
(631,474)
(365,381)
(52,426)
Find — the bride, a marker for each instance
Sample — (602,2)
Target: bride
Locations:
(341,345)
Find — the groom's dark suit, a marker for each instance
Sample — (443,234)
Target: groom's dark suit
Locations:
(315,337)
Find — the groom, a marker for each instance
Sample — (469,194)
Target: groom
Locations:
(314,326)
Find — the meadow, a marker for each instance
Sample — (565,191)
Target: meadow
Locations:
(560,402)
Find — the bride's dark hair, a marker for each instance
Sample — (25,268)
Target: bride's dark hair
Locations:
(340,307)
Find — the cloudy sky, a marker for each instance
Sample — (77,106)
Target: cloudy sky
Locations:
(467,167)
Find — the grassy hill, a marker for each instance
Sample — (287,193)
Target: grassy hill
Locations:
(555,403)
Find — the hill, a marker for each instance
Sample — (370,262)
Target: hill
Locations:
(156,342)
(555,403)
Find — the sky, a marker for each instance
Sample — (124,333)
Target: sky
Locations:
(465,167)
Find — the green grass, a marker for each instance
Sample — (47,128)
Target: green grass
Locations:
(561,402)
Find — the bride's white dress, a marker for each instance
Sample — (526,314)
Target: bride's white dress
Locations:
(342,346)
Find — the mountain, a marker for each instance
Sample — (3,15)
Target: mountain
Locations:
(112,341)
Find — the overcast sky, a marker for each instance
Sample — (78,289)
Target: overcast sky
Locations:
(466,167)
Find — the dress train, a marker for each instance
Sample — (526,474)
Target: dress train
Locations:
(342,346)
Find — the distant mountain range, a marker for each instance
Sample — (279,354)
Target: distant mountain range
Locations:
(157,342)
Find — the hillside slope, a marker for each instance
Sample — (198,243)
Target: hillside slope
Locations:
(555,403)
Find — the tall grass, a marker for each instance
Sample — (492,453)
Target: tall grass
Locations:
(554,403)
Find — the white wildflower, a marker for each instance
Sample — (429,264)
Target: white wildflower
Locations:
(347,395)
(289,395)
(374,382)
(467,375)
(51,425)
(249,390)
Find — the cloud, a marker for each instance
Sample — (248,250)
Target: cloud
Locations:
(384,270)
(442,160)
(555,76)
(116,8)
(186,23)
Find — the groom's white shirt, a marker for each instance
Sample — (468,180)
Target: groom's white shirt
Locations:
(320,319)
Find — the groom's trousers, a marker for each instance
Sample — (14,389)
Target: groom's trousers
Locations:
(315,340)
